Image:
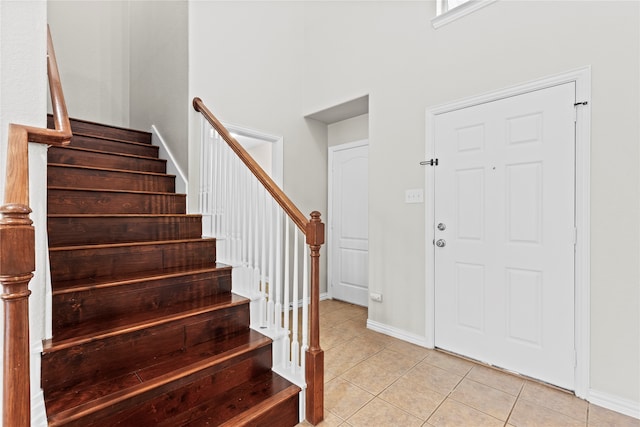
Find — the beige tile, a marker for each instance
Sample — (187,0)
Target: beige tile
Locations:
(557,400)
(337,316)
(392,362)
(343,398)
(528,414)
(450,363)
(329,305)
(456,414)
(413,397)
(361,316)
(493,402)
(368,377)
(378,413)
(410,350)
(345,356)
(353,327)
(433,377)
(494,378)
(601,417)
(383,339)
(331,337)
(329,375)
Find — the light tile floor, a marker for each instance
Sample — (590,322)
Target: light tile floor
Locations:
(373,380)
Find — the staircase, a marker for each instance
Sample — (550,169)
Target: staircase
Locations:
(146,331)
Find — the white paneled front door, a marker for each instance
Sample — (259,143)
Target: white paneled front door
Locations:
(505,233)
(349,211)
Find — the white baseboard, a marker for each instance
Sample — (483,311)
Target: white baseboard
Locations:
(397,333)
(172,166)
(615,403)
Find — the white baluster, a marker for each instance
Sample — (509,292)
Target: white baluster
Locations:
(287,340)
(256,231)
(278,269)
(271,263)
(263,259)
(295,347)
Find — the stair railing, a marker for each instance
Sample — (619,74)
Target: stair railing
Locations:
(17,249)
(258,231)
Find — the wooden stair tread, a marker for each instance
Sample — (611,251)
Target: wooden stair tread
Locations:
(107,138)
(110,153)
(114,145)
(108,131)
(79,285)
(94,331)
(127,244)
(110,215)
(243,405)
(67,406)
(98,190)
(94,168)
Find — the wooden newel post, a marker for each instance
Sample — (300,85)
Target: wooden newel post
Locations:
(17,262)
(314,358)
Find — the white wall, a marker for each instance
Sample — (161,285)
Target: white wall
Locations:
(391,52)
(23,96)
(349,130)
(246,63)
(92,46)
(276,61)
(159,72)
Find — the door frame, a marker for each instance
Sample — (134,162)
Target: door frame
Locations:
(277,154)
(582,79)
(331,151)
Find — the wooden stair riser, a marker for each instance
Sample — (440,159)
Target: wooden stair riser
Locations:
(69,231)
(129,351)
(122,260)
(95,304)
(179,397)
(67,201)
(80,177)
(114,146)
(98,159)
(105,131)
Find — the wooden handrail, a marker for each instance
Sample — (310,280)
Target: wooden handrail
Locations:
(17,249)
(313,229)
(278,195)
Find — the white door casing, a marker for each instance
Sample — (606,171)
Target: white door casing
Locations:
(348,255)
(505,190)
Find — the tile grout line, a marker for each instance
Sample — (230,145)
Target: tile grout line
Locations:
(515,403)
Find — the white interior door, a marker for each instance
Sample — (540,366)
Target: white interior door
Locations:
(349,211)
(504,261)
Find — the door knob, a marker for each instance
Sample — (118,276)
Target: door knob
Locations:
(442,227)
(441,243)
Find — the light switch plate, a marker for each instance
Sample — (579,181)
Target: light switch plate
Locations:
(415,195)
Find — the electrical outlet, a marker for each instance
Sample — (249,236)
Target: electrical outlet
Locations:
(415,195)
(375,296)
